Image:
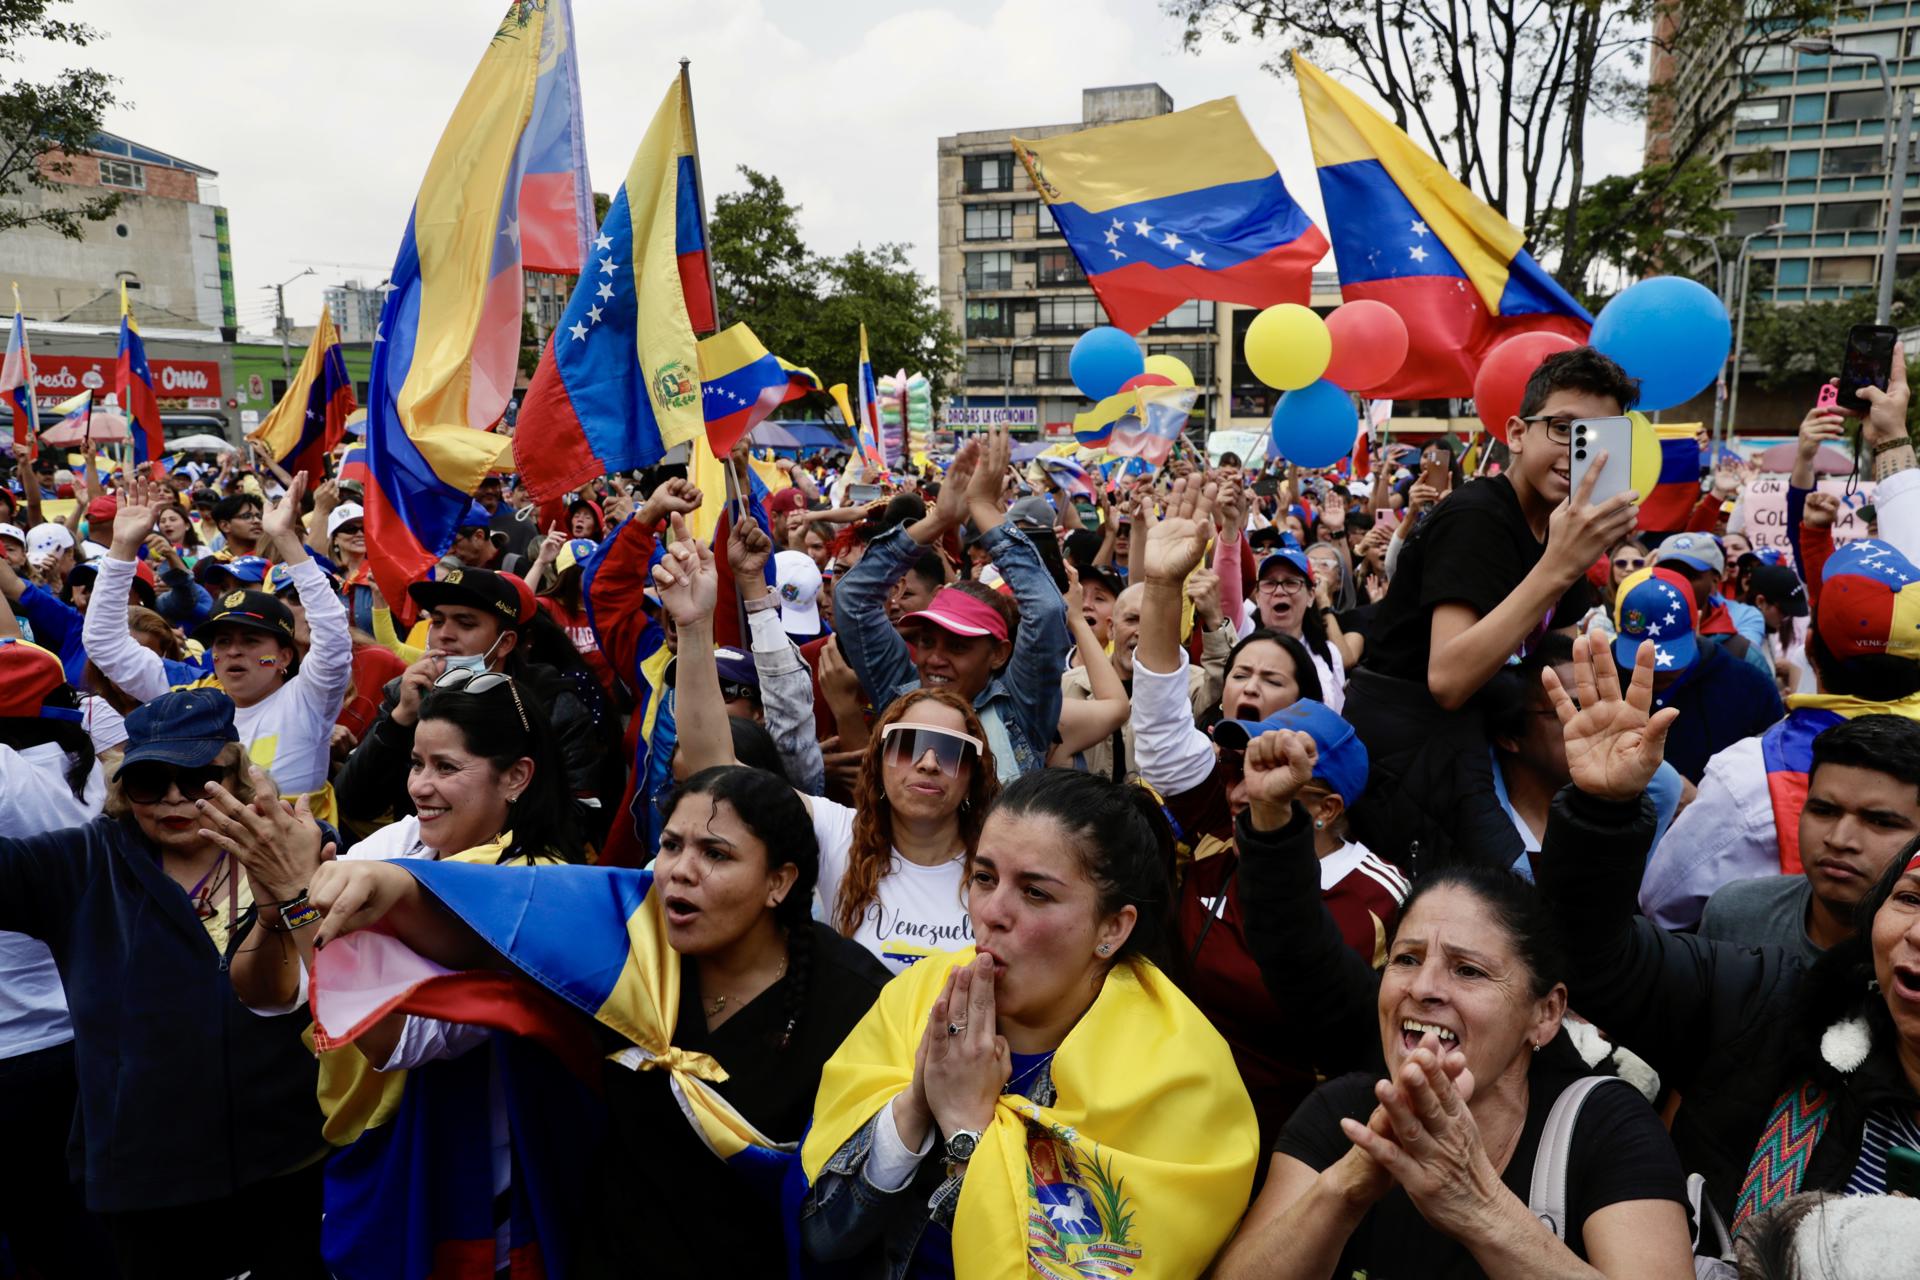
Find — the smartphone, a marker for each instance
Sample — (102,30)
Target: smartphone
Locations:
(861,494)
(1829,396)
(1436,471)
(1593,437)
(1387,517)
(1903,1171)
(1868,363)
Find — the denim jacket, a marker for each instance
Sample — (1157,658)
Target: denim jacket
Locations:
(1020,707)
(845,1218)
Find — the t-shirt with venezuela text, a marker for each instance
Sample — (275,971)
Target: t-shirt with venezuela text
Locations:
(918,911)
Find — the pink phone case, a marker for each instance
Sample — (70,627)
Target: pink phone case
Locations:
(1829,397)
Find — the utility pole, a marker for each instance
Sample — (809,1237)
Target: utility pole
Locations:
(280,320)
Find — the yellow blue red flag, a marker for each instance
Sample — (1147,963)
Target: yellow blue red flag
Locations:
(618,385)
(1180,206)
(133,384)
(506,190)
(311,418)
(1409,234)
(740,384)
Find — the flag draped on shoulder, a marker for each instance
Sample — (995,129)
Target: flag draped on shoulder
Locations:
(1173,207)
(448,346)
(133,384)
(16,383)
(1409,234)
(311,418)
(618,384)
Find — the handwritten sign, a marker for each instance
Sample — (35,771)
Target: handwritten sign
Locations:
(1766,510)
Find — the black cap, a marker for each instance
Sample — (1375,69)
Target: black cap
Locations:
(476,588)
(1103,575)
(255,610)
(1781,586)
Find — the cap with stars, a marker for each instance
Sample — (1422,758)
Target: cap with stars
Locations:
(1869,602)
(1657,605)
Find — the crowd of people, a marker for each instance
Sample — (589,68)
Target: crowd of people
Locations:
(1417,869)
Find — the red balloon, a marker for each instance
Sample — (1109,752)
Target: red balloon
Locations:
(1369,344)
(1146,380)
(1502,380)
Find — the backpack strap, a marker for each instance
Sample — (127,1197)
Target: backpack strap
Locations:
(1780,1158)
(1547,1199)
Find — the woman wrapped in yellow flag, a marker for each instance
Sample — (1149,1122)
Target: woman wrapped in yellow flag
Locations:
(1047,1102)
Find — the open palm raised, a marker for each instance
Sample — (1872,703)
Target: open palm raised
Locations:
(1615,741)
(1177,540)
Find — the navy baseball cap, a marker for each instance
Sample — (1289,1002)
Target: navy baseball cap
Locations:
(1656,605)
(736,667)
(1288,555)
(1342,762)
(186,728)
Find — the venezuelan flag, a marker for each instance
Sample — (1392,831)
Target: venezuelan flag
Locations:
(311,418)
(16,383)
(1409,234)
(866,427)
(1179,206)
(448,347)
(618,385)
(133,384)
(740,384)
(353,465)
(1676,490)
(800,382)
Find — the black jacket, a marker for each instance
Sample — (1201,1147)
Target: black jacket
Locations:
(1731,1028)
(186,1095)
(372,784)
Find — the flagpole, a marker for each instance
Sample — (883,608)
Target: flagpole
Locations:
(699,185)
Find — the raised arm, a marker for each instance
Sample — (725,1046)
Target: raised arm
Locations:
(136,670)
(1087,721)
(689,587)
(786,686)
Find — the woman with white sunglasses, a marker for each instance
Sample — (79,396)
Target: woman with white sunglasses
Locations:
(892,867)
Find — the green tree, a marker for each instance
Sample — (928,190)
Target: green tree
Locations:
(43,125)
(1502,91)
(1612,223)
(808,307)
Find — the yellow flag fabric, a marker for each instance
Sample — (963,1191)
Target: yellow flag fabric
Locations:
(1151,1136)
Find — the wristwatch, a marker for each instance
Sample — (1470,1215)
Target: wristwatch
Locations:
(961,1144)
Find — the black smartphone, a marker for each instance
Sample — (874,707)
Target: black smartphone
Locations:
(1868,363)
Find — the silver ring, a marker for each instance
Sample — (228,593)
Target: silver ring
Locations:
(955,1028)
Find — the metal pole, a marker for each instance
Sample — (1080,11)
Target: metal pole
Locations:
(1896,200)
(1721,280)
(1739,342)
(286,353)
(699,184)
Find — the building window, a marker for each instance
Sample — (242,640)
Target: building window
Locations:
(1059,266)
(1848,215)
(990,319)
(1742,222)
(1773,57)
(1843,270)
(1857,104)
(1884,43)
(989,222)
(1050,364)
(987,173)
(1846,162)
(990,367)
(1044,223)
(1188,315)
(1761,111)
(990,270)
(1754,166)
(123,173)
(1068,315)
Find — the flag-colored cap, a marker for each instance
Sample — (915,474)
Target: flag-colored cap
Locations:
(1869,602)
(1657,605)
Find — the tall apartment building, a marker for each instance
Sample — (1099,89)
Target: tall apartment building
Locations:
(355,308)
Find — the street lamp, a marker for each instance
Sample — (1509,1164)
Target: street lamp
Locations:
(1720,291)
(1897,188)
(1743,269)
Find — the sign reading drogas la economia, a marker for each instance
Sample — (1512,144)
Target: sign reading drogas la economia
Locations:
(999,416)
(177,384)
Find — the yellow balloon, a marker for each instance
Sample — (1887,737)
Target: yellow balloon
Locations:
(1170,367)
(1288,346)
(1646,454)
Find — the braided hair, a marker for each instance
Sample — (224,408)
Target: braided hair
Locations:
(772,810)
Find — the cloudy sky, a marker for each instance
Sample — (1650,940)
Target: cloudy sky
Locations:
(320,118)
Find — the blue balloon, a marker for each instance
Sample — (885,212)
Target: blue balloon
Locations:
(1315,426)
(1102,359)
(1671,333)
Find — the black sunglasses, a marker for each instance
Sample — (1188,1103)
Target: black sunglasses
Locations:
(469,681)
(149,783)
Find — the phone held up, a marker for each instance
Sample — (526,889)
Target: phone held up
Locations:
(1868,363)
(1606,443)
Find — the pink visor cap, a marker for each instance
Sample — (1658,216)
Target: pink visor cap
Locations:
(960,613)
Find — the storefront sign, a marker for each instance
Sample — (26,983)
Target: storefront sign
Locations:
(177,384)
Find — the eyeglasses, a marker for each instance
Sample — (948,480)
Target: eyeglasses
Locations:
(1627,564)
(1286,585)
(469,681)
(149,783)
(906,743)
(1559,430)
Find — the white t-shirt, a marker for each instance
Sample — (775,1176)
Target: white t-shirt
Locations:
(918,912)
(34,799)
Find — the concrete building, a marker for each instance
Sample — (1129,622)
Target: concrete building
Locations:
(168,239)
(356,310)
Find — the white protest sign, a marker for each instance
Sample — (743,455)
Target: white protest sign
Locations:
(1766,510)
